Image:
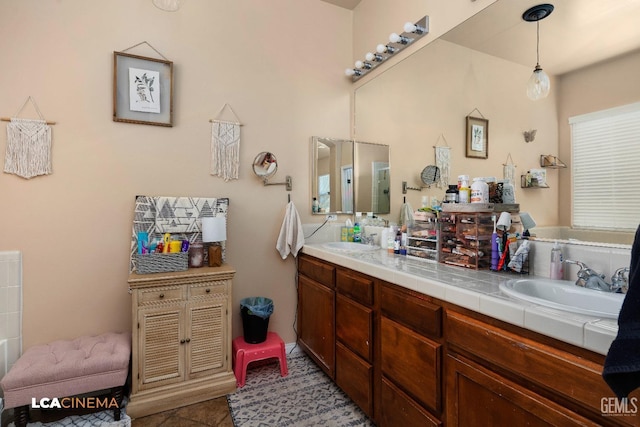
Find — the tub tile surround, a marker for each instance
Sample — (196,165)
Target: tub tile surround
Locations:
(479,290)
(10,309)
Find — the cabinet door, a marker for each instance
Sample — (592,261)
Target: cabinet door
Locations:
(479,397)
(354,326)
(316,322)
(412,362)
(161,354)
(205,338)
(398,409)
(355,377)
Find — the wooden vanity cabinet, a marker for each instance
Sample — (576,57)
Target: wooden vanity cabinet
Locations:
(410,339)
(496,370)
(354,337)
(316,311)
(181,338)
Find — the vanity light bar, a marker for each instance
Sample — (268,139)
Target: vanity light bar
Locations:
(397,42)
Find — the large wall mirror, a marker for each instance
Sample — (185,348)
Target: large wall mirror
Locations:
(591,50)
(349,176)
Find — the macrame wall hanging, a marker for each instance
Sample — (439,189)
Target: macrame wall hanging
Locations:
(509,170)
(225,146)
(28,151)
(443,161)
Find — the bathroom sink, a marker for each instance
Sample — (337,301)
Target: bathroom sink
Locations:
(350,247)
(565,295)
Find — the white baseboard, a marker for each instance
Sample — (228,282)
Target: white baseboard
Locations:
(292,349)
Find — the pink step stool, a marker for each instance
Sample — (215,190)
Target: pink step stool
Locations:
(245,353)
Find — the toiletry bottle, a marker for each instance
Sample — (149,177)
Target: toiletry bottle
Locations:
(315,206)
(479,191)
(397,242)
(356,232)
(556,269)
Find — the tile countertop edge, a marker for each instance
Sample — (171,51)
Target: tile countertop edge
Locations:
(475,290)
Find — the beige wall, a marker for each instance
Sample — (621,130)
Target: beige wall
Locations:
(277,63)
(601,86)
(427,97)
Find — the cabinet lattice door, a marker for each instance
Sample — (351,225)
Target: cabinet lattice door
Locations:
(162,357)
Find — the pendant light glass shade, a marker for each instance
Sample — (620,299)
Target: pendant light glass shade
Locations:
(538,85)
(167,5)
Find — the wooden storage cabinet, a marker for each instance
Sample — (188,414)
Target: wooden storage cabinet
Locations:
(354,337)
(181,337)
(410,357)
(465,239)
(316,311)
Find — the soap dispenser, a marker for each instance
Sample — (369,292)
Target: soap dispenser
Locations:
(556,267)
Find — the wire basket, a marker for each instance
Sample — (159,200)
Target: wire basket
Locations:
(161,263)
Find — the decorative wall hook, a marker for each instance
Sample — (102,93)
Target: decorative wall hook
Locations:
(529,136)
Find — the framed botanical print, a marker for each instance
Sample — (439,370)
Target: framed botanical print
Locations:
(477,138)
(142,90)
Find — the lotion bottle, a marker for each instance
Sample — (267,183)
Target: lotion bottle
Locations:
(556,267)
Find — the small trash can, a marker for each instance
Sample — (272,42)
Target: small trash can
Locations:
(255,318)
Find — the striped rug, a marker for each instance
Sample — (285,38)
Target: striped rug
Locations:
(305,397)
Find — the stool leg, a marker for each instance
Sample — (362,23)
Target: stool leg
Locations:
(117,394)
(284,371)
(240,369)
(21,415)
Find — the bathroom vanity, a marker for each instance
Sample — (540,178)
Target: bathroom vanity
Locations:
(181,338)
(429,345)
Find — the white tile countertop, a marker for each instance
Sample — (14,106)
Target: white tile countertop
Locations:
(476,290)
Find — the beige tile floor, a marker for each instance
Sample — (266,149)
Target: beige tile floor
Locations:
(212,413)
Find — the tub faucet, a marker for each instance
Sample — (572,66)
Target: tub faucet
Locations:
(591,279)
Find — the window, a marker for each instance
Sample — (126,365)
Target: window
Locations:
(606,169)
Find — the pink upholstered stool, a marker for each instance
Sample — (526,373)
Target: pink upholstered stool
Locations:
(245,353)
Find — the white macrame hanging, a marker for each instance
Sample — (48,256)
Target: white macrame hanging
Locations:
(509,170)
(28,151)
(443,162)
(225,147)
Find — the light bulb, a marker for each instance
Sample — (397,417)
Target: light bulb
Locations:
(373,57)
(394,38)
(413,28)
(360,65)
(538,86)
(352,72)
(381,48)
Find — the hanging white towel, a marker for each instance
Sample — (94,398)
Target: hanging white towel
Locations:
(291,238)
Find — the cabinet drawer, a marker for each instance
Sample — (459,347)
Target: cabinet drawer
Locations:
(211,289)
(354,326)
(412,362)
(355,377)
(317,270)
(411,310)
(160,295)
(554,370)
(358,287)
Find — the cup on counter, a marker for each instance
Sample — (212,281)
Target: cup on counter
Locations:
(175,246)
(504,222)
(196,255)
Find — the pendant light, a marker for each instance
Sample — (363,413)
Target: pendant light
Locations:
(538,85)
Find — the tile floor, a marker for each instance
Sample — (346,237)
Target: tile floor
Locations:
(212,413)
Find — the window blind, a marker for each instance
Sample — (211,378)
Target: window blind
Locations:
(606,169)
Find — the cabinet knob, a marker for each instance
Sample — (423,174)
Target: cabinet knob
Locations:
(207,290)
(161,295)
(188,339)
(182,341)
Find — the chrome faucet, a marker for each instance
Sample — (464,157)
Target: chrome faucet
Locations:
(591,279)
(368,240)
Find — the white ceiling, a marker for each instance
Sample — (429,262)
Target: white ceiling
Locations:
(578,32)
(347,4)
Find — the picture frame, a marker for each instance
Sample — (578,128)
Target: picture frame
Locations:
(477,138)
(142,90)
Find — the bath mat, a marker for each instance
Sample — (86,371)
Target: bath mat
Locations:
(305,397)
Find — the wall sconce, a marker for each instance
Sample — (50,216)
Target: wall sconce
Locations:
(538,85)
(397,42)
